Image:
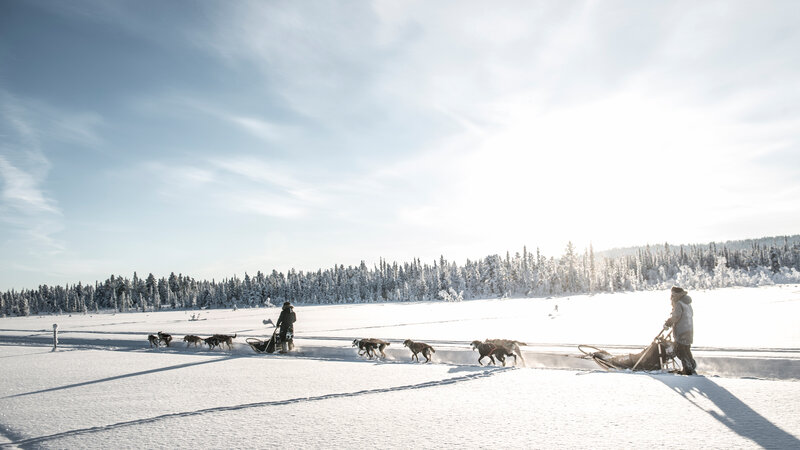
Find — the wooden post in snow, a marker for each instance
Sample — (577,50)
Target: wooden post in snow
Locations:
(55,336)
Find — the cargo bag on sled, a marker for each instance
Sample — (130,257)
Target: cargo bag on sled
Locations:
(659,355)
(267,346)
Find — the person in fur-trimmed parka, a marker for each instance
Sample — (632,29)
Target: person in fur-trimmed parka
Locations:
(286,324)
(683,328)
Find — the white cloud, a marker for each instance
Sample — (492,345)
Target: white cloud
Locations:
(258,170)
(260,128)
(23,165)
(22,191)
(80,128)
(257,127)
(240,184)
(30,217)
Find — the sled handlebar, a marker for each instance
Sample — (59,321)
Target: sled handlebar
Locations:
(655,339)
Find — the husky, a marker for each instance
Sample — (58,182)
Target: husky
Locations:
(226,339)
(419,347)
(380,345)
(212,342)
(365,347)
(153,340)
(491,350)
(166,338)
(192,339)
(510,345)
(371,347)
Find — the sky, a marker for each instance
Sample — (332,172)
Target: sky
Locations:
(218,138)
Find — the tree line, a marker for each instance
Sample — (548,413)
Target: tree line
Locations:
(526,274)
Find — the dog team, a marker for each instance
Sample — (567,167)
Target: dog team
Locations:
(370,347)
(493,348)
(216,340)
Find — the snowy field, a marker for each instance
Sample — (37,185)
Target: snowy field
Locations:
(106,388)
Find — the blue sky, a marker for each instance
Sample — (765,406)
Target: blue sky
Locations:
(218,138)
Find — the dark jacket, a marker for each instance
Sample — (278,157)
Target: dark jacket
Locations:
(681,320)
(286,320)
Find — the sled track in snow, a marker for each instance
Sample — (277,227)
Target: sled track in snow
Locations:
(246,406)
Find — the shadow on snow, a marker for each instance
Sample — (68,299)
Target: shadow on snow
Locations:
(118,377)
(736,415)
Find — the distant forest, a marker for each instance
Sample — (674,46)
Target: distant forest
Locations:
(526,274)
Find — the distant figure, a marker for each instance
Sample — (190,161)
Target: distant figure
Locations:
(555,309)
(683,328)
(286,324)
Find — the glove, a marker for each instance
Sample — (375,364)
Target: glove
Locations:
(666,324)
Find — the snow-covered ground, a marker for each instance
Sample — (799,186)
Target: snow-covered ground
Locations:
(105,387)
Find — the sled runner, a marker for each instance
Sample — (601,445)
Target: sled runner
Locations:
(659,355)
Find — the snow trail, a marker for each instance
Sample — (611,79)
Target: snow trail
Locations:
(246,406)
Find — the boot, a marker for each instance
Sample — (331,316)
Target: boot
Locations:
(284,347)
(291,345)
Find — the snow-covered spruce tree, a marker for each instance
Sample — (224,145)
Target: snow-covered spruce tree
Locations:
(774,261)
(174,289)
(450,295)
(592,270)
(569,270)
(163,292)
(25,309)
(150,289)
(247,289)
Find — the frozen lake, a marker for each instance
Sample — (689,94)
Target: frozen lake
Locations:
(105,387)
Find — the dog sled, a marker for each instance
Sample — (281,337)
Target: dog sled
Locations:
(267,346)
(659,355)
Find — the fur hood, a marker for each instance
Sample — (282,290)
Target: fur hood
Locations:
(677,294)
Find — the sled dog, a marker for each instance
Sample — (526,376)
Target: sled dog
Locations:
(192,339)
(226,339)
(419,347)
(510,345)
(492,350)
(370,347)
(166,338)
(365,347)
(212,342)
(380,345)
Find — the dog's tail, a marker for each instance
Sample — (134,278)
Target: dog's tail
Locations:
(524,364)
(433,350)
(234,335)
